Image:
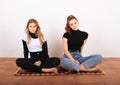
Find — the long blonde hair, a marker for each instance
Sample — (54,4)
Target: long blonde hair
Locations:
(38,32)
(67,27)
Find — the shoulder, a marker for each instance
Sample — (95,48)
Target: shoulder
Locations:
(84,34)
(24,36)
(66,35)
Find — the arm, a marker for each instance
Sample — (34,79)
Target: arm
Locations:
(45,50)
(83,45)
(25,49)
(67,53)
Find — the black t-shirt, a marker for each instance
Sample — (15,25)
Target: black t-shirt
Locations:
(75,39)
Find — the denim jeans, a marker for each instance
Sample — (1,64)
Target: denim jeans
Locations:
(88,61)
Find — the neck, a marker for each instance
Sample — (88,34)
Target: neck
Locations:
(74,30)
(33,35)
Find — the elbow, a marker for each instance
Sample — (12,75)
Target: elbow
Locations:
(66,51)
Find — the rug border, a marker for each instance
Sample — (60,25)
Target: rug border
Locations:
(52,74)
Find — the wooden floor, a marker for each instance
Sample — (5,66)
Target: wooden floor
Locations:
(111,66)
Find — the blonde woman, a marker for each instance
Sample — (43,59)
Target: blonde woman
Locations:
(35,44)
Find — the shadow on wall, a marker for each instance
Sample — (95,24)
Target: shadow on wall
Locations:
(55,48)
(54,41)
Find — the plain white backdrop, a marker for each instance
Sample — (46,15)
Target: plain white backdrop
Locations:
(100,18)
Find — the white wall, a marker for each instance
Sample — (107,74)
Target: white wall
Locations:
(100,18)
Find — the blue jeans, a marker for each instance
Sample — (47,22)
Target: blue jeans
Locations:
(88,61)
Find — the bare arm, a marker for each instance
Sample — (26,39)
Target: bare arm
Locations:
(83,45)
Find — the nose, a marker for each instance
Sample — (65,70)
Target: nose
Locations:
(74,26)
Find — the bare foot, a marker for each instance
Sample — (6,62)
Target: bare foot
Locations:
(96,68)
(93,69)
(54,70)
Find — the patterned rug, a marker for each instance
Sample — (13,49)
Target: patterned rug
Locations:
(61,71)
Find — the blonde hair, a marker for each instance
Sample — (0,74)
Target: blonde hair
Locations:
(67,27)
(38,32)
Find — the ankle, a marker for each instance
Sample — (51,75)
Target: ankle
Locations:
(82,68)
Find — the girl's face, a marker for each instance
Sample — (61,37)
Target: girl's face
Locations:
(74,24)
(32,27)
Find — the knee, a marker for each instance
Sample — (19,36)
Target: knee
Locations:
(19,61)
(69,65)
(64,62)
(57,60)
(99,58)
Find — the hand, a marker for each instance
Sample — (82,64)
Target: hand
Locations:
(37,63)
(75,61)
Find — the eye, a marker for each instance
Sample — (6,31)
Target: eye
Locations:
(34,26)
(30,26)
(75,23)
(71,24)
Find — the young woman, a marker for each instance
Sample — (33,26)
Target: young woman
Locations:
(73,42)
(35,44)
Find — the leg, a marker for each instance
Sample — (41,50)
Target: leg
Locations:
(69,65)
(27,64)
(90,63)
(51,62)
(49,65)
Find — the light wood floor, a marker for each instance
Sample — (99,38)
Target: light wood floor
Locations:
(111,66)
